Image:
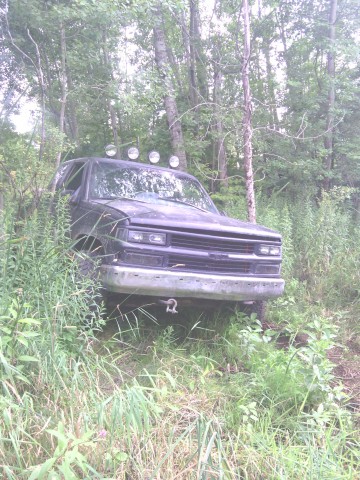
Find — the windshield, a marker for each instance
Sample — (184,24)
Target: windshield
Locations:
(110,181)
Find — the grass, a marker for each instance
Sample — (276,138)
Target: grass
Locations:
(173,409)
(195,396)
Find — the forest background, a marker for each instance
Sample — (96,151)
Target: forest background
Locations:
(206,397)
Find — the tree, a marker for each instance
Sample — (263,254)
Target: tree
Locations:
(329,132)
(163,65)
(247,124)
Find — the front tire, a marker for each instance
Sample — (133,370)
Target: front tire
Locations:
(87,265)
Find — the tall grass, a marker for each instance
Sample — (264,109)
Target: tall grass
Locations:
(207,397)
(321,248)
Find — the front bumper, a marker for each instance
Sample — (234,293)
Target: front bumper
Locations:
(164,283)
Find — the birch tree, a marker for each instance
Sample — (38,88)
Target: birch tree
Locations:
(163,65)
(329,133)
(247,119)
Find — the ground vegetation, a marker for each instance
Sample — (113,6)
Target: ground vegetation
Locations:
(199,395)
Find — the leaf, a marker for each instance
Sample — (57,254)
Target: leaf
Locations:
(6,330)
(53,475)
(121,456)
(67,471)
(5,340)
(17,240)
(29,321)
(270,333)
(27,358)
(62,439)
(22,378)
(41,470)
(171,379)
(23,341)
(29,334)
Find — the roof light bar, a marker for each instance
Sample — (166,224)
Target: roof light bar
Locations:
(154,157)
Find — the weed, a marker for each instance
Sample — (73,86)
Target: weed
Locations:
(206,397)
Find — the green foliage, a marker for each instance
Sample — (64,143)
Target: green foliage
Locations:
(320,242)
(327,249)
(67,459)
(110,73)
(219,396)
(40,292)
(15,332)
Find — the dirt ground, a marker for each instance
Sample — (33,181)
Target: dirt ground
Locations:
(346,360)
(347,371)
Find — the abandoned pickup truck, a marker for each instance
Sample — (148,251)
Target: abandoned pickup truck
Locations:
(157,234)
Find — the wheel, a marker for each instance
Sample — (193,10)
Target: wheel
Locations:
(87,265)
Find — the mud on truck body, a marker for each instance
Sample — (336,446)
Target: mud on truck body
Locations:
(158,235)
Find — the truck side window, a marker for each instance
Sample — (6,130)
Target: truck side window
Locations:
(74,179)
(57,180)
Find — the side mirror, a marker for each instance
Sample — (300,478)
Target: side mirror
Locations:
(75,197)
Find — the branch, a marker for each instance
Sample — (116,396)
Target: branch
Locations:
(299,137)
(14,44)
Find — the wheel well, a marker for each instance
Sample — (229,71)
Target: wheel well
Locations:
(89,243)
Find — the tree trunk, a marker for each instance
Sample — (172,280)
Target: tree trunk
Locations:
(72,121)
(329,132)
(63,84)
(198,61)
(112,112)
(192,45)
(41,80)
(186,34)
(271,88)
(162,62)
(2,209)
(247,120)
(219,147)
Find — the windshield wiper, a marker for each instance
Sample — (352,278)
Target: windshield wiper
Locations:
(174,200)
(121,198)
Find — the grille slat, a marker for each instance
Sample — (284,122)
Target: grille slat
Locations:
(212,244)
(208,265)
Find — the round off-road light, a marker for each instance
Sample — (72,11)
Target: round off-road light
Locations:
(174,161)
(154,157)
(133,153)
(110,150)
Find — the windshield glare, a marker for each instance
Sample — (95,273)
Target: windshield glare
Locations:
(109,181)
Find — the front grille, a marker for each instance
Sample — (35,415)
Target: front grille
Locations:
(207,243)
(211,252)
(204,264)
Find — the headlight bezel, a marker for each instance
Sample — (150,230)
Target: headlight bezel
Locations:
(147,237)
(269,250)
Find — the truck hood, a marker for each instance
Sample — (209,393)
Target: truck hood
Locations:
(182,217)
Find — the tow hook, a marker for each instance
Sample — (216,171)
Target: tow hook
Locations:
(171,305)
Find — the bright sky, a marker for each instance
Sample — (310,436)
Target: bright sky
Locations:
(24,120)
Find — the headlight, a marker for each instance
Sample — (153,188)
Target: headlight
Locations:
(273,250)
(146,237)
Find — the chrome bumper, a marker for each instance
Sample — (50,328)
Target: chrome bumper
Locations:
(164,283)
